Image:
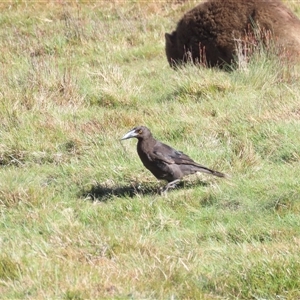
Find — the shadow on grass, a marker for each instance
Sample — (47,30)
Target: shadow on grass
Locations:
(103,193)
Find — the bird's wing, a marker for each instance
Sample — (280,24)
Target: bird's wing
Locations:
(169,155)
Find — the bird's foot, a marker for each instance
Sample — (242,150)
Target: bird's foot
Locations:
(170,185)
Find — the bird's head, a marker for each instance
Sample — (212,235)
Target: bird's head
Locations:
(139,132)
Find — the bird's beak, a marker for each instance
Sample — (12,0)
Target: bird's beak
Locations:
(129,135)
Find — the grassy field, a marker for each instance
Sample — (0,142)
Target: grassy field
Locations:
(80,217)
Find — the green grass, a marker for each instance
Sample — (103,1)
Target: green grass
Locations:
(80,217)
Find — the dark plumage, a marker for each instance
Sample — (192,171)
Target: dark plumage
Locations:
(163,161)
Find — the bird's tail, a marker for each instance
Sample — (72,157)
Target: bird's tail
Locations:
(203,169)
(219,174)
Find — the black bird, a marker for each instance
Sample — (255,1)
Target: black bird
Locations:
(163,161)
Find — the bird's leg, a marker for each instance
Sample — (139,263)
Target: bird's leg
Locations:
(171,184)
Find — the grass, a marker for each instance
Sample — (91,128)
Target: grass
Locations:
(80,218)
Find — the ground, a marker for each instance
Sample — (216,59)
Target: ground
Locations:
(81,218)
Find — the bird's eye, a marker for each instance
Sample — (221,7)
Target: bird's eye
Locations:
(140,131)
